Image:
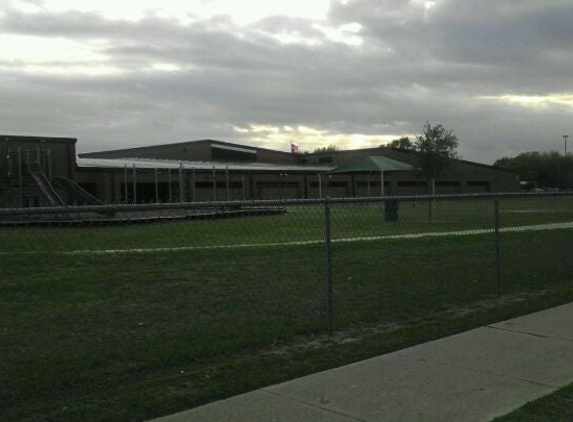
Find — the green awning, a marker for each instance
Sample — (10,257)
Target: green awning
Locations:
(373,164)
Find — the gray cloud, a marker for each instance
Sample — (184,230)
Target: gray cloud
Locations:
(414,65)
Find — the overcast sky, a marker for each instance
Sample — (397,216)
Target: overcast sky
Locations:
(354,73)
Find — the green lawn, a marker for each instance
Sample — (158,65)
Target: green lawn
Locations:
(556,407)
(134,335)
(301,223)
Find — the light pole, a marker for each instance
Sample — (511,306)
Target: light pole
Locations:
(565,142)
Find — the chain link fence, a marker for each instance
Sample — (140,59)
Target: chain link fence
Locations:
(93,296)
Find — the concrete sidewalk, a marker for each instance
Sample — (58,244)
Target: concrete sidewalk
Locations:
(472,376)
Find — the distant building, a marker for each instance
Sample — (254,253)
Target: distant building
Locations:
(40,171)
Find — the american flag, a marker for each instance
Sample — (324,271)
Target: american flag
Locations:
(294,149)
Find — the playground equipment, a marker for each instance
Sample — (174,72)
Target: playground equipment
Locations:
(44,184)
(75,193)
(27,180)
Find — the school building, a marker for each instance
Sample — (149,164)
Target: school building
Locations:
(44,171)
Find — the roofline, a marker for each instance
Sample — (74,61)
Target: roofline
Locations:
(151,163)
(198,141)
(35,138)
(488,166)
(407,151)
(231,144)
(210,141)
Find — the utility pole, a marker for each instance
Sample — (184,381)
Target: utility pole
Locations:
(565,155)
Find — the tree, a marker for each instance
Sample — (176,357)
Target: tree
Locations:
(329,148)
(544,169)
(401,143)
(437,146)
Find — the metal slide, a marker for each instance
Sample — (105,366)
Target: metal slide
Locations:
(44,185)
(75,193)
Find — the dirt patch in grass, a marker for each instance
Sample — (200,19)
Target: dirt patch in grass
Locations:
(359,333)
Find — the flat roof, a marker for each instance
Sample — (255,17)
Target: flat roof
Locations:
(151,163)
(24,138)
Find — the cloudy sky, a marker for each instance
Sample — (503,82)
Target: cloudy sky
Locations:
(354,73)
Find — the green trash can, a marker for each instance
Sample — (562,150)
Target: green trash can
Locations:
(391,210)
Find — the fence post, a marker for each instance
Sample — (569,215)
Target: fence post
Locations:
(328,256)
(181,192)
(156,183)
(193,183)
(244,187)
(20,178)
(170,180)
(214,184)
(134,184)
(125,193)
(497,246)
(227,183)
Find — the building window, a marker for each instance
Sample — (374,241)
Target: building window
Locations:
(278,185)
(372,184)
(218,184)
(411,184)
(331,184)
(325,160)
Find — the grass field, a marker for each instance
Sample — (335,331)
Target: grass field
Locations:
(555,407)
(194,311)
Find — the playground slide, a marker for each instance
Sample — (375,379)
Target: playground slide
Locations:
(44,185)
(75,193)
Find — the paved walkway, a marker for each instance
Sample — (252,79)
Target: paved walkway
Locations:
(472,376)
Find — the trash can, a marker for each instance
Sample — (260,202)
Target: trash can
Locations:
(391,210)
